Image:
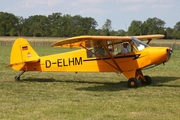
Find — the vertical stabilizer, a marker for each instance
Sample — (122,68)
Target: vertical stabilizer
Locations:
(21,53)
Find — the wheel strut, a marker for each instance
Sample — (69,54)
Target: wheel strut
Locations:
(17,78)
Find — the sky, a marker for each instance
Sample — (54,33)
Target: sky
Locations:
(120,12)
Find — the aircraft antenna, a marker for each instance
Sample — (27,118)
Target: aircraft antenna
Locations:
(126,30)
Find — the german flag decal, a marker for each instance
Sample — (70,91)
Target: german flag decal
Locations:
(24,47)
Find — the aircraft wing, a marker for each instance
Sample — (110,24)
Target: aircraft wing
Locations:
(79,41)
(147,37)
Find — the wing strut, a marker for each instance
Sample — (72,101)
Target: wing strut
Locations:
(118,68)
(149,40)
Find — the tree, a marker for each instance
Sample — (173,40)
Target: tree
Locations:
(8,24)
(106,28)
(55,23)
(168,33)
(135,28)
(36,25)
(94,32)
(58,25)
(176,31)
(153,26)
(77,25)
(67,23)
(122,32)
(89,24)
(20,25)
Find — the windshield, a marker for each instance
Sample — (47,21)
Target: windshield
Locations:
(138,43)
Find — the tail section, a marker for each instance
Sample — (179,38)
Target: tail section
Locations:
(22,53)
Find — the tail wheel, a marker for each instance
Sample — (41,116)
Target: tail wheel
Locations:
(17,78)
(132,83)
(148,80)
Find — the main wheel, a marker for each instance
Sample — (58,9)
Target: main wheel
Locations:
(132,83)
(148,80)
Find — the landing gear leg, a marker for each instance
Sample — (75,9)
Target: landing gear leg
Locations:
(136,75)
(17,78)
(145,80)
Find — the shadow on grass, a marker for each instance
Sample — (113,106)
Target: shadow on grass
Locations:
(160,81)
(106,86)
(157,81)
(97,86)
(39,80)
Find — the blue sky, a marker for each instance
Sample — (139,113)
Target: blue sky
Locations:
(120,12)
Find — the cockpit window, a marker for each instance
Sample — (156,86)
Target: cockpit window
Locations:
(139,44)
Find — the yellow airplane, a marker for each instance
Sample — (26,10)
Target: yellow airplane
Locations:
(96,54)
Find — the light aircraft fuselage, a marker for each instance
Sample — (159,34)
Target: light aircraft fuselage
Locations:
(93,57)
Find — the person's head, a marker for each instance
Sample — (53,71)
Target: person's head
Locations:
(125,44)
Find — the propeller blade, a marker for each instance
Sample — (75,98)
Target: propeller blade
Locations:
(170,52)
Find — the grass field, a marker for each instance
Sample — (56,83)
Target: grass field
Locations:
(88,96)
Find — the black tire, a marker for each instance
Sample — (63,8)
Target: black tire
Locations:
(148,80)
(132,83)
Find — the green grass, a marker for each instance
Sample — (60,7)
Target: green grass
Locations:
(88,96)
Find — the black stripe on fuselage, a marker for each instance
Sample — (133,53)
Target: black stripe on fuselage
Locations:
(136,56)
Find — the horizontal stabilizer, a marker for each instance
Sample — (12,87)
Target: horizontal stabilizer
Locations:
(20,63)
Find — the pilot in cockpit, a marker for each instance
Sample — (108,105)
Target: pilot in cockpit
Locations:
(124,49)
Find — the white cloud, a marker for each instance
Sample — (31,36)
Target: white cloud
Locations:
(74,4)
(141,5)
(90,1)
(136,7)
(142,1)
(86,2)
(34,3)
(93,11)
(54,2)
(89,7)
(128,1)
(163,6)
(84,11)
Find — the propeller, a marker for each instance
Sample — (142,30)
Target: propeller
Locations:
(171,49)
(170,52)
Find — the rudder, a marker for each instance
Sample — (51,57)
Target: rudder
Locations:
(21,53)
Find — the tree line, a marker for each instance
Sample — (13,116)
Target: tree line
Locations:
(59,25)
